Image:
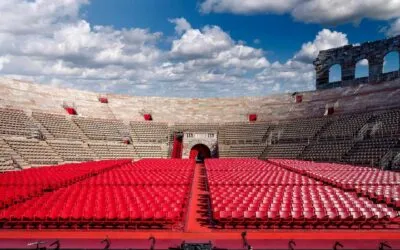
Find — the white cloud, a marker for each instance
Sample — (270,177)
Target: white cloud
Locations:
(326,39)
(312,11)
(248,6)
(181,25)
(394,28)
(64,49)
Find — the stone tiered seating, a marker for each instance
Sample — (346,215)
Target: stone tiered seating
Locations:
(302,129)
(34,152)
(284,150)
(243,133)
(330,150)
(196,127)
(345,126)
(72,150)
(370,151)
(389,123)
(149,132)
(17,123)
(244,150)
(101,150)
(6,163)
(102,129)
(58,126)
(112,150)
(150,151)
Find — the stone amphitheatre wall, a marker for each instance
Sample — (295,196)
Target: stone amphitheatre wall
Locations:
(38,97)
(348,56)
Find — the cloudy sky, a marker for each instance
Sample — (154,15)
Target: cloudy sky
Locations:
(184,48)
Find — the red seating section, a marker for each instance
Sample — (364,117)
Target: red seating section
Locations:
(146,193)
(20,185)
(269,195)
(371,182)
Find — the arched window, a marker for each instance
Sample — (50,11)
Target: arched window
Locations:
(335,73)
(391,62)
(362,69)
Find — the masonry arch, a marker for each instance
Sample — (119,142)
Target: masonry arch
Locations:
(362,68)
(391,62)
(335,73)
(199,149)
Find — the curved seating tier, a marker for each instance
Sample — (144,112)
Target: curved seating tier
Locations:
(98,194)
(287,193)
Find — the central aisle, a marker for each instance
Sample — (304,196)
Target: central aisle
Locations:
(195,209)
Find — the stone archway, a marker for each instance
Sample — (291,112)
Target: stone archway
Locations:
(199,149)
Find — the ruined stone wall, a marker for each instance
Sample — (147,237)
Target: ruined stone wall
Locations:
(348,56)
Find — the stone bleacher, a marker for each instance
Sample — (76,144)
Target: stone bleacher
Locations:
(58,125)
(33,151)
(249,133)
(149,132)
(16,123)
(102,129)
(72,151)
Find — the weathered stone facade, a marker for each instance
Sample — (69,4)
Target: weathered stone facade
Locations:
(191,139)
(348,56)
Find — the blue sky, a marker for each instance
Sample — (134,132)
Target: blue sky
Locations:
(184,48)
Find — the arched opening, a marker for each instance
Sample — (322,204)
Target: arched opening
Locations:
(200,150)
(391,62)
(362,69)
(335,73)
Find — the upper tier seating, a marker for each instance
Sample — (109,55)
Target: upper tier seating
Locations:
(34,152)
(58,126)
(102,129)
(112,150)
(284,150)
(150,151)
(370,151)
(326,150)
(72,150)
(244,150)
(6,163)
(389,123)
(345,126)
(245,133)
(299,129)
(196,127)
(149,132)
(16,122)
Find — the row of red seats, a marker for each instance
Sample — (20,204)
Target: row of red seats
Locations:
(388,194)
(148,165)
(109,202)
(101,203)
(57,175)
(381,185)
(233,202)
(296,203)
(240,164)
(133,177)
(20,185)
(257,178)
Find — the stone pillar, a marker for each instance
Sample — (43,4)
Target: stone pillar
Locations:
(375,67)
(348,70)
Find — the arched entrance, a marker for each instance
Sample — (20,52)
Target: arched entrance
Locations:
(199,149)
